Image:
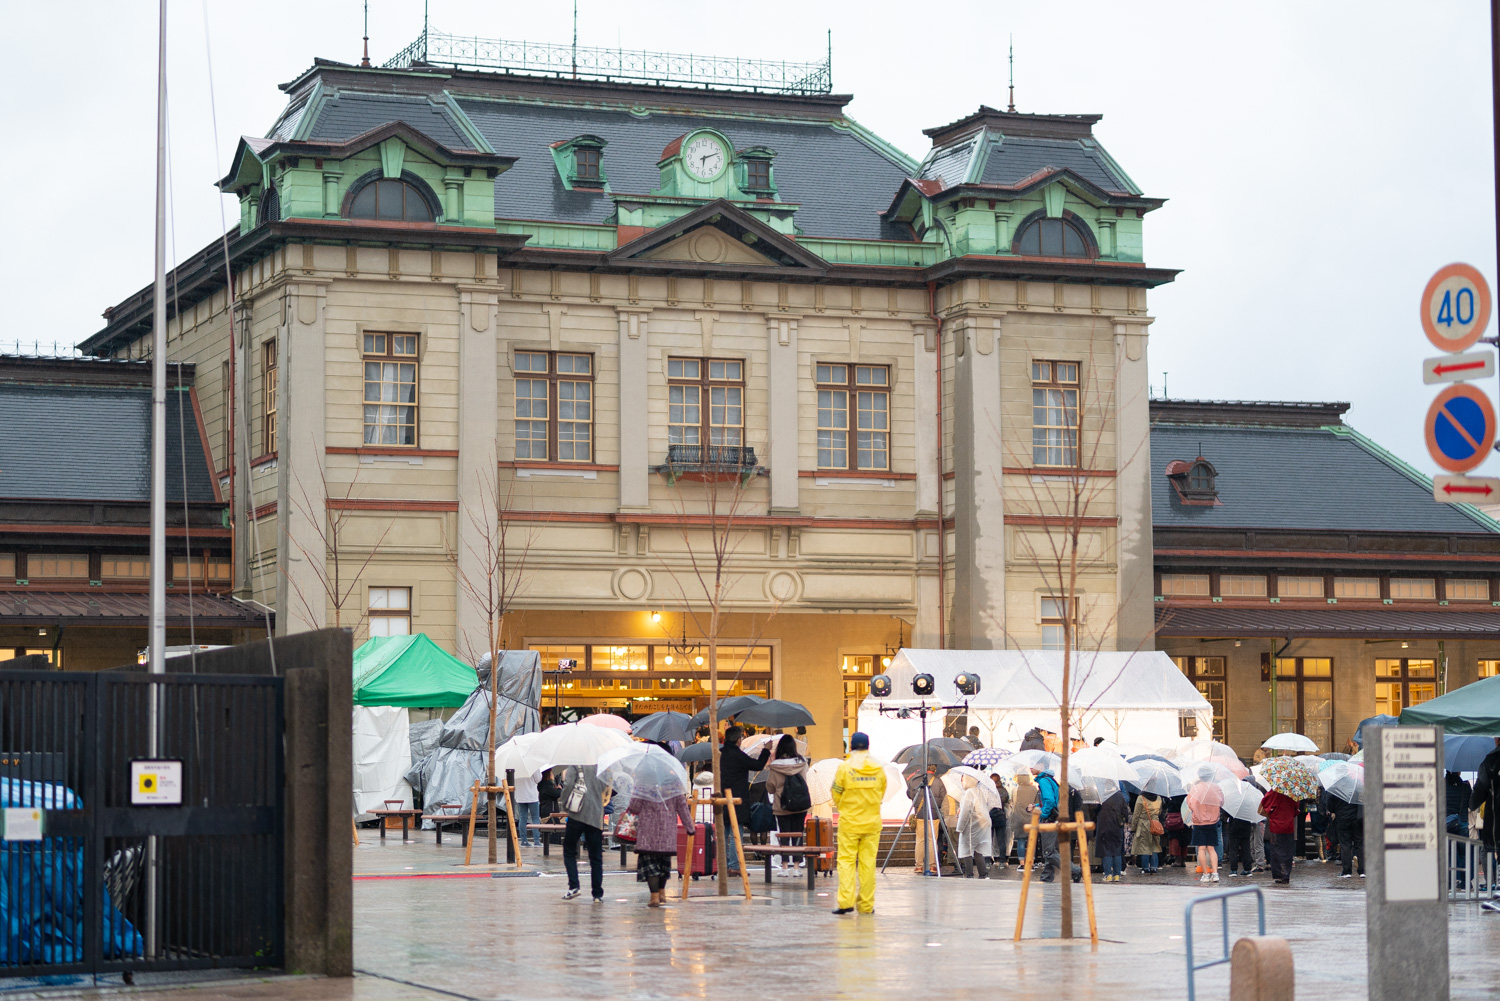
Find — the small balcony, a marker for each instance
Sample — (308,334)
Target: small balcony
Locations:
(709,462)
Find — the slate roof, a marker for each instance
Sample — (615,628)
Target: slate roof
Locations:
(840,181)
(1319,623)
(345,116)
(1302,478)
(88,442)
(21,608)
(1017,158)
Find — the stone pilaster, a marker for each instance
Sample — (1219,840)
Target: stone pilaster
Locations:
(978,615)
(301,501)
(241,501)
(1137,617)
(781,420)
(635,453)
(478,470)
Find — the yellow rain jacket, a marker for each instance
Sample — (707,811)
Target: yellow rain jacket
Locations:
(858,789)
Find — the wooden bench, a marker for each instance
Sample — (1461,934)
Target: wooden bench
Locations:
(456,816)
(406,818)
(806,851)
(548,829)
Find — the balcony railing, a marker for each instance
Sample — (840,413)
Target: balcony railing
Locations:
(710,460)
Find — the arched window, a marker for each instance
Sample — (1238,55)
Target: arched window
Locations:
(270,206)
(390,199)
(1053,238)
(1200,478)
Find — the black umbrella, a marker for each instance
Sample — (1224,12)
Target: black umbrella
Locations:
(775,712)
(701,751)
(936,754)
(664,726)
(728,707)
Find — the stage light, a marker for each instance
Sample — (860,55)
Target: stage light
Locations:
(923,684)
(880,686)
(966,683)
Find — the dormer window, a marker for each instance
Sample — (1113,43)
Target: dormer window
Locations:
(390,199)
(1042,237)
(755,170)
(580,162)
(1194,482)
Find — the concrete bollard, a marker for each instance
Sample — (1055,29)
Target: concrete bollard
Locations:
(1260,969)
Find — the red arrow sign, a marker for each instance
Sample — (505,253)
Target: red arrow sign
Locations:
(1465,489)
(1451,489)
(1465,367)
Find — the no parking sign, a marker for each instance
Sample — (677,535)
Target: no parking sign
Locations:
(1460,428)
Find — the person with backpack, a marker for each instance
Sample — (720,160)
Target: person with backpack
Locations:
(786,784)
(1046,841)
(999,844)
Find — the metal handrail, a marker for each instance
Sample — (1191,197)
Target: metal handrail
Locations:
(1476,859)
(1187,918)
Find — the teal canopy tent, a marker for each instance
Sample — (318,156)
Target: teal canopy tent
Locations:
(410,671)
(1473,709)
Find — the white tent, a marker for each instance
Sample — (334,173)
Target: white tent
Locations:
(382,757)
(1129,698)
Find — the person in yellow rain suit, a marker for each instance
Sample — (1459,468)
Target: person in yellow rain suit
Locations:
(858,789)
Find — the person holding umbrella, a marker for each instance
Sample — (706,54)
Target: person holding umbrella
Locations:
(657,784)
(786,784)
(583,799)
(735,769)
(1204,801)
(858,791)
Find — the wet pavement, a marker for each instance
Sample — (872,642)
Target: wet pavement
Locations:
(429,928)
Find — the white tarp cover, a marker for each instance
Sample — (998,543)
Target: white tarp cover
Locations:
(382,756)
(1124,697)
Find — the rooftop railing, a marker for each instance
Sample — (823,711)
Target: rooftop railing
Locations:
(436,48)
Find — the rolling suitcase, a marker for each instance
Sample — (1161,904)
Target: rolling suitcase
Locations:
(820,832)
(703,849)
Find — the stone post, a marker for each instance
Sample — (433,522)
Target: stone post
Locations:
(781,421)
(634,417)
(978,500)
(1136,626)
(478,470)
(301,599)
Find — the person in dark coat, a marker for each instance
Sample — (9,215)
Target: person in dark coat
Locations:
(1486,795)
(1109,830)
(1237,835)
(1348,819)
(735,769)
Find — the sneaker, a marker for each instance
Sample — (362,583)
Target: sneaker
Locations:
(1490,905)
(598,900)
(1213,877)
(1232,875)
(571,894)
(1346,875)
(1203,878)
(842,910)
(1361,875)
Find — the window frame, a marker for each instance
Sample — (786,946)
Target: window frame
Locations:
(1207,580)
(1052,383)
(411,183)
(1403,679)
(851,387)
(553,419)
(387,613)
(270,379)
(1067,221)
(34,562)
(1197,673)
(1057,620)
(381,358)
(1450,581)
(706,384)
(1299,679)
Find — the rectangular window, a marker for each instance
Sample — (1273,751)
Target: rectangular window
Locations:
(269,378)
(390,611)
(554,406)
(1054,623)
(1054,413)
(391,389)
(1413,588)
(867,388)
(125,568)
(1467,590)
(1356,587)
(757,175)
(1299,587)
(1402,683)
(48,567)
(1207,675)
(1242,586)
(587,163)
(722,382)
(187,569)
(7,566)
(1489,668)
(1184,585)
(1304,698)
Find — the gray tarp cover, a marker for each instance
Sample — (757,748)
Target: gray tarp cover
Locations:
(447,773)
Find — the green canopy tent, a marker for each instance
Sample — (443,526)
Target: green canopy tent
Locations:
(410,671)
(1473,709)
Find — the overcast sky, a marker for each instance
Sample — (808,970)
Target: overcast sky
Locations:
(1321,160)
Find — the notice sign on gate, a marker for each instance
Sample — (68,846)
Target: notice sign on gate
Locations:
(1409,801)
(156,783)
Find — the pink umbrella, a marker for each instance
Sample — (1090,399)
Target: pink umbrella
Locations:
(607,720)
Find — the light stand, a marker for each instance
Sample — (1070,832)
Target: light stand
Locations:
(905,712)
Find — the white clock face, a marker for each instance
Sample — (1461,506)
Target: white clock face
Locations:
(704,157)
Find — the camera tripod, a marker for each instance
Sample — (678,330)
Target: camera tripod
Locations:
(929,804)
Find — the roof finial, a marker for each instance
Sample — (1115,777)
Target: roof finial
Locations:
(1012,74)
(366,60)
(1164,386)
(575,39)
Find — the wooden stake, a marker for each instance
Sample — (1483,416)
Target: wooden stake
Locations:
(1088,882)
(473,806)
(739,848)
(354,826)
(510,816)
(1031,832)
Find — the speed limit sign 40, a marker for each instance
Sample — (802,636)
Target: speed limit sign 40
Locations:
(1455,307)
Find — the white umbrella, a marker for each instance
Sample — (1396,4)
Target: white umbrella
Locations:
(572,744)
(643,771)
(512,754)
(1290,742)
(953,780)
(1159,778)
(820,780)
(1097,763)
(1241,800)
(1344,781)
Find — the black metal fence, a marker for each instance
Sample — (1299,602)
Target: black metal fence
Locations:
(117,885)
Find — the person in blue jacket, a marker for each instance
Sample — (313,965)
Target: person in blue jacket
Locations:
(1046,805)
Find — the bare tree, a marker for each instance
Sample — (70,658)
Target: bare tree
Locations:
(326,556)
(1065,500)
(711,540)
(501,549)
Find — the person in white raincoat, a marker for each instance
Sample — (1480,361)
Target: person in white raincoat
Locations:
(974,847)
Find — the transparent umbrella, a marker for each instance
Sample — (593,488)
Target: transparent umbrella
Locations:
(953,779)
(1097,763)
(1212,750)
(1344,781)
(1241,800)
(1290,742)
(1204,771)
(643,772)
(1160,778)
(571,744)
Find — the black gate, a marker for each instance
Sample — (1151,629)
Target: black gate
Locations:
(116,886)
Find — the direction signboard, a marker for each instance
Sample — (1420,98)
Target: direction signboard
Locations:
(1466,489)
(1460,428)
(1458,368)
(1455,307)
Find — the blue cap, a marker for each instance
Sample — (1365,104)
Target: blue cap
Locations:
(859,741)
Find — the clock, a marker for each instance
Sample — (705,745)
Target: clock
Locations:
(704,157)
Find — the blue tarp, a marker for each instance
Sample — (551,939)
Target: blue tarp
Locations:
(41,890)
